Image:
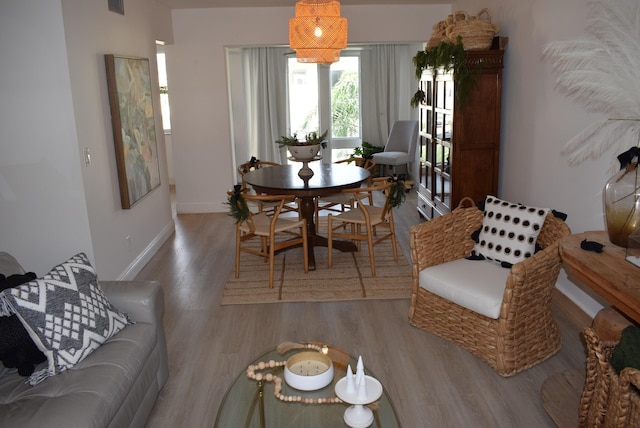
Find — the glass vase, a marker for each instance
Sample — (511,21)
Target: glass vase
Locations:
(622,204)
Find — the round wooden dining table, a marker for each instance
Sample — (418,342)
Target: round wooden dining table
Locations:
(327,179)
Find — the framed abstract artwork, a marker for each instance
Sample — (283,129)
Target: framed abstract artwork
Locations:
(134,132)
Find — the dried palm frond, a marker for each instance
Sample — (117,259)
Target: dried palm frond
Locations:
(602,71)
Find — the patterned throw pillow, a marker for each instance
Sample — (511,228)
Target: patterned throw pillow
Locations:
(509,231)
(66,314)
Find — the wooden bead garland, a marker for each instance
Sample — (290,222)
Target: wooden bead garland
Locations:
(277,381)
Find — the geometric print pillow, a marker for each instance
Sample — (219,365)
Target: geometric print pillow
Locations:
(66,314)
(509,231)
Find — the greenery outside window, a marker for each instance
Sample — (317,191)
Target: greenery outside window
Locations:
(327,97)
(164,92)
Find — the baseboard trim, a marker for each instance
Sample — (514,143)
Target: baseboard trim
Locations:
(199,208)
(585,302)
(143,258)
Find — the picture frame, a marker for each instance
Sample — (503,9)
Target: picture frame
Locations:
(133,123)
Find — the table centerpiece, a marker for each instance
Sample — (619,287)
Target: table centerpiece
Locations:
(304,151)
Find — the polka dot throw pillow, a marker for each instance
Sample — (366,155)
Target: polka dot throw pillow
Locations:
(509,231)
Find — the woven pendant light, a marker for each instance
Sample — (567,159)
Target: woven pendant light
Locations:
(318,33)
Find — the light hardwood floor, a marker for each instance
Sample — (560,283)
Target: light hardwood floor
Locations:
(431,382)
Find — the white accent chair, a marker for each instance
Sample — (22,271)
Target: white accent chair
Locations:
(400,148)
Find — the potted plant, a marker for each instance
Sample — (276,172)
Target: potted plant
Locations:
(304,150)
(366,150)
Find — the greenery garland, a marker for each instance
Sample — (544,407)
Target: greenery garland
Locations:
(397,192)
(238,208)
(449,56)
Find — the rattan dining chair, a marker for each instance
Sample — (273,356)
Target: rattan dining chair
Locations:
(268,228)
(262,206)
(366,221)
(341,202)
(524,333)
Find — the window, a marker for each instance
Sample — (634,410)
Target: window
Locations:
(164,92)
(325,97)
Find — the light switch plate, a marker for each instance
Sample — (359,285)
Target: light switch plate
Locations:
(87,157)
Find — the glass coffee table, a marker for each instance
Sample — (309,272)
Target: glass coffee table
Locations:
(249,403)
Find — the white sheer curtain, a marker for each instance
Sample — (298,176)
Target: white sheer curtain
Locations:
(265,79)
(389,81)
(265,107)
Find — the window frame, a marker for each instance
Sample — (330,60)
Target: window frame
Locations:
(324,106)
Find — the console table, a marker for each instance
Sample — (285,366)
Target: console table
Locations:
(615,279)
(607,273)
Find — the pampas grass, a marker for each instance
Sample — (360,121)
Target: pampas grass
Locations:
(602,72)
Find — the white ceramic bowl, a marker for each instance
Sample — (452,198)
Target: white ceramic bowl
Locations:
(308,371)
(304,153)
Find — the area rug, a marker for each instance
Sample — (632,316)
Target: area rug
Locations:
(349,278)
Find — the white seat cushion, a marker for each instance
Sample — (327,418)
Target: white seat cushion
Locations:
(262,224)
(391,158)
(477,285)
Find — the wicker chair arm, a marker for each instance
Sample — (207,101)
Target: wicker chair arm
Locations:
(553,230)
(531,282)
(536,276)
(629,376)
(607,398)
(445,238)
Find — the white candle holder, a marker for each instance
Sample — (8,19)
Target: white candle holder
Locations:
(357,415)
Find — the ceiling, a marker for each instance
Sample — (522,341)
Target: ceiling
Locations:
(194,4)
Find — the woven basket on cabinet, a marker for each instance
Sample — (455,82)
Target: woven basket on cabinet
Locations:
(476,33)
(439,34)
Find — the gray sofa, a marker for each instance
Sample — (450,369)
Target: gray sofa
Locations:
(115,386)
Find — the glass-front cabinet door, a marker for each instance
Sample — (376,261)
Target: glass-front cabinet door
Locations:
(444,90)
(459,141)
(426,145)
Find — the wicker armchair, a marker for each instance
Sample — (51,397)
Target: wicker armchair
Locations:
(525,332)
(608,399)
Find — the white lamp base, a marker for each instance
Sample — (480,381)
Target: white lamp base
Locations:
(358,416)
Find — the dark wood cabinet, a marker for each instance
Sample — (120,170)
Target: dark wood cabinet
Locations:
(460,143)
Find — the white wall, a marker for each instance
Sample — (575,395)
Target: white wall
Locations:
(43,216)
(537,119)
(55,104)
(92,32)
(197,76)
